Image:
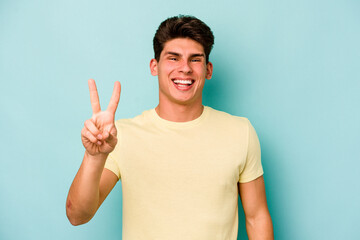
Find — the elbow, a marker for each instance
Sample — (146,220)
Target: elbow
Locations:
(75,218)
(74,222)
(260,226)
(262,216)
(258,218)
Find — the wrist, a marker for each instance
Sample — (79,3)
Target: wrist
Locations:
(96,155)
(97,159)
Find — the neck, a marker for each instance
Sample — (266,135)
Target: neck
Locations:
(178,112)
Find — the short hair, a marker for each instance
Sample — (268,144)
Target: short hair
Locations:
(183,26)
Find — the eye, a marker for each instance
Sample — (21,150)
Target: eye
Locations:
(172,58)
(196,60)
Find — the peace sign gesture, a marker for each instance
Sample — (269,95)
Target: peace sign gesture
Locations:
(99,133)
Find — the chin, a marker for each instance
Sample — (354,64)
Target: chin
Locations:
(185,101)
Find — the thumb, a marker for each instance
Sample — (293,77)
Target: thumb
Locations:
(111,138)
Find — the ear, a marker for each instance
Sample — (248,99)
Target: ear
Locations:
(209,70)
(153,67)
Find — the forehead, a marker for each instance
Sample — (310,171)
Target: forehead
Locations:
(183,46)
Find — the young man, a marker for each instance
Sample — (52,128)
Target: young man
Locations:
(182,165)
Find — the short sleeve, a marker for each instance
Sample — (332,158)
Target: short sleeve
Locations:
(112,165)
(111,161)
(253,168)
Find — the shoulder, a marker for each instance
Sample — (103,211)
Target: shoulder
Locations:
(225,118)
(137,121)
(236,128)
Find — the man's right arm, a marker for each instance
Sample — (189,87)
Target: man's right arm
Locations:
(92,182)
(89,189)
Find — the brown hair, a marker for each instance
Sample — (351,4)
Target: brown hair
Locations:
(183,26)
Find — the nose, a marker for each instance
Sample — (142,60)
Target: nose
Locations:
(185,67)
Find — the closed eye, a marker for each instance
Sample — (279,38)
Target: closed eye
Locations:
(196,60)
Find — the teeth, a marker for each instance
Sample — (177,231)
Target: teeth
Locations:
(183,81)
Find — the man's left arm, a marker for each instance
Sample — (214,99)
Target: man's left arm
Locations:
(258,220)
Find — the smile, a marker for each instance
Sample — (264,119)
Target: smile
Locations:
(183,84)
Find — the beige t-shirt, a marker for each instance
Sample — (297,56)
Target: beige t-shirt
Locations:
(179,179)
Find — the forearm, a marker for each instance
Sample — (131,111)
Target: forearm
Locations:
(260,227)
(83,198)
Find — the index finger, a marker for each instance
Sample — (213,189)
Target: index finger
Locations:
(94,97)
(114,101)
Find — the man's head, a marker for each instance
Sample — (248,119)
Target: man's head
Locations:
(182,46)
(183,27)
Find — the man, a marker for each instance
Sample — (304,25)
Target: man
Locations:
(182,164)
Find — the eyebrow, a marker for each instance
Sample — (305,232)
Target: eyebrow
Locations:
(192,55)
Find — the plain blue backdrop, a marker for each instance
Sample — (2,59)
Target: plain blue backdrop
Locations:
(291,67)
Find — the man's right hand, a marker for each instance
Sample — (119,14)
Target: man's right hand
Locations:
(92,182)
(99,133)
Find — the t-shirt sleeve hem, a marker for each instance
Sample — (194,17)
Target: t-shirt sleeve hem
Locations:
(252,177)
(110,164)
(118,176)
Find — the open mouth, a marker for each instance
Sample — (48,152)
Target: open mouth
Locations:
(183,83)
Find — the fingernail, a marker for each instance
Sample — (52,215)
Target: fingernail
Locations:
(98,143)
(99,136)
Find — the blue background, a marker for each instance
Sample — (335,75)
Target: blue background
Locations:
(291,67)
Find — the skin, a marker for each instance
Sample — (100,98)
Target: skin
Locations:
(257,216)
(92,182)
(181,58)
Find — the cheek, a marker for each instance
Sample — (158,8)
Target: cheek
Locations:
(201,70)
(167,66)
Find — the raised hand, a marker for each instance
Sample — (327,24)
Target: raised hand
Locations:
(99,133)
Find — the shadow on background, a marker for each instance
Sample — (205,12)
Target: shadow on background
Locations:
(224,92)
(218,91)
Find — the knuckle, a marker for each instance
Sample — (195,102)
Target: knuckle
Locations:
(88,135)
(87,122)
(91,137)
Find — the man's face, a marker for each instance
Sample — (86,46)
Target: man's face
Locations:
(181,71)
